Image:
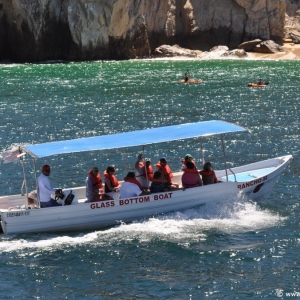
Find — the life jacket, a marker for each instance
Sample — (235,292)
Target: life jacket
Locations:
(186,170)
(133,180)
(113,181)
(96,180)
(189,180)
(208,177)
(166,171)
(184,163)
(149,171)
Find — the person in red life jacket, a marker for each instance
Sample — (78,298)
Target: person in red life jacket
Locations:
(190,177)
(111,182)
(93,185)
(131,187)
(144,171)
(188,157)
(163,166)
(208,175)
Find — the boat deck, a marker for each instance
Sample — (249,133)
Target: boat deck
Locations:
(249,175)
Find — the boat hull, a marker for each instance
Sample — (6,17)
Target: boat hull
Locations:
(190,81)
(256,85)
(253,181)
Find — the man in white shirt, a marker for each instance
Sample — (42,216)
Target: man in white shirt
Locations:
(45,190)
(131,187)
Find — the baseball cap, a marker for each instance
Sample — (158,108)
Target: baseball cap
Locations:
(45,167)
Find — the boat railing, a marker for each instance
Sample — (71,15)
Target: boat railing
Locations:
(232,174)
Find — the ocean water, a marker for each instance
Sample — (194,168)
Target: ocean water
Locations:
(235,249)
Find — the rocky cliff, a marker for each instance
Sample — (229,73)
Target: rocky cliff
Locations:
(38,30)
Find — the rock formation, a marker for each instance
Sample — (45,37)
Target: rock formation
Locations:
(292,18)
(173,51)
(260,46)
(248,46)
(295,38)
(268,47)
(32,30)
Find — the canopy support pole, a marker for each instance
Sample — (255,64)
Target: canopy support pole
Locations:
(224,156)
(145,167)
(37,184)
(25,181)
(202,151)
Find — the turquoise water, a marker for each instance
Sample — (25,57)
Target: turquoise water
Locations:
(235,249)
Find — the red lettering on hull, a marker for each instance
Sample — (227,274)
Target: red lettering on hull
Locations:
(163,196)
(102,204)
(252,183)
(134,200)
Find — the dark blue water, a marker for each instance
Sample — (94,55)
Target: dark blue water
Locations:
(235,249)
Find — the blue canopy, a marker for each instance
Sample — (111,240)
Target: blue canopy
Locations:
(134,138)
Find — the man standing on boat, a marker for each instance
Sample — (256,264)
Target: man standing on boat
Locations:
(45,190)
(144,171)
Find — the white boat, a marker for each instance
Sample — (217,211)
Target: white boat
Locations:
(254,181)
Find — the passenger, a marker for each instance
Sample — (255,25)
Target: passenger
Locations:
(190,177)
(111,181)
(188,157)
(32,199)
(208,175)
(131,187)
(163,166)
(260,82)
(93,183)
(45,190)
(159,183)
(144,171)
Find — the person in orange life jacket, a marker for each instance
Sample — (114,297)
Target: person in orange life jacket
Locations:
(131,187)
(208,175)
(163,166)
(93,185)
(111,181)
(144,171)
(190,177)
(188,157)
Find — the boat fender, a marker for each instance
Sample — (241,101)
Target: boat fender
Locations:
(69,198)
